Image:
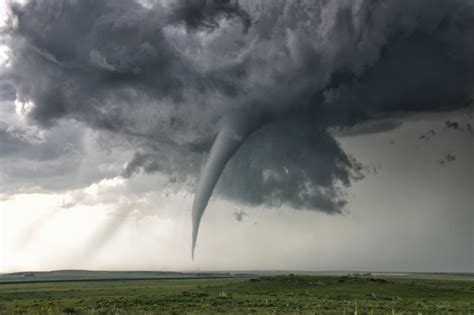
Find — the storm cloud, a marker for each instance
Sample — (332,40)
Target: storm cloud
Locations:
(164,76)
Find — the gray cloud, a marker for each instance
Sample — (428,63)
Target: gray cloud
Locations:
(163,77)
(369,127)
(296,164)
(7,92)
(239,216)
(448,158)
(30,144)
(64,157)
(196,14)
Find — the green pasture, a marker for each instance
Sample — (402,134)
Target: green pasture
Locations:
(265,295)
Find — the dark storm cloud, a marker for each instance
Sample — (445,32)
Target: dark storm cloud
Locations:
(140,161)
(297,165)
(61,44)
(165,75)
(196,14)
(177,164)
(370,127)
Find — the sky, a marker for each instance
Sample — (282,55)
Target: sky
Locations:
(351,121)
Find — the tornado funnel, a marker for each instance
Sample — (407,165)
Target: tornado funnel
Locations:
(235,129)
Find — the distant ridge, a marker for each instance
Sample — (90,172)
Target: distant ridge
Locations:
(91,275)
(100,275)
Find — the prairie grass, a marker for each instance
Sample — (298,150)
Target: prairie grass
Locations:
(264,295)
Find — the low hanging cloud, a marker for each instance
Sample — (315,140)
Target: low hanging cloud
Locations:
(165,76)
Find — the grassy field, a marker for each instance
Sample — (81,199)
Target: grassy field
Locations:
(266,295)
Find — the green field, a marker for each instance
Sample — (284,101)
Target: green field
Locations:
(292,294)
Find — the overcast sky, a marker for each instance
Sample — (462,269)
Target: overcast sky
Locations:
(363,160)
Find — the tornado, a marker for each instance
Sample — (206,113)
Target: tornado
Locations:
(235,128)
